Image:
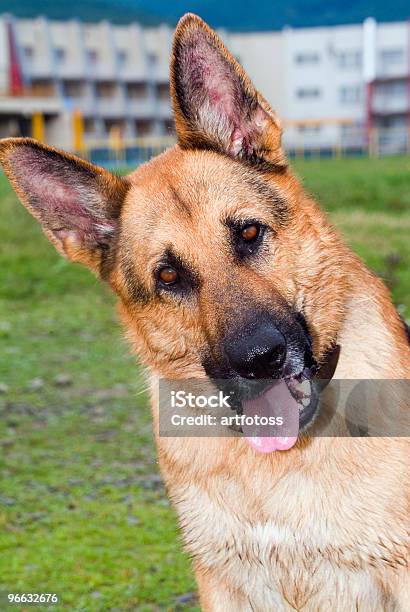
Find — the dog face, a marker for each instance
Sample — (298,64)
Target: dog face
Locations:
(206,276)
(220,261)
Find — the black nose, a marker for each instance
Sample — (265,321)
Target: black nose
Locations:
(257,353)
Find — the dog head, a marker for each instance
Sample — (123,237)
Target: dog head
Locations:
(222,264)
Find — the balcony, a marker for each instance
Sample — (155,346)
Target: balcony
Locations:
(134,74)
(163,109)
(390,105)
(141,109)
(39,69)
(86,104)
(28,104)
(160,73)
(71,70)
(110,107)
(102,72)
(392,71)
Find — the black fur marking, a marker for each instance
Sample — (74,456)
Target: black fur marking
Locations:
(178,83)
(109,256)
(136,290)
(183,206)
(406,329)
(107,261)
(255,162)
(269,195)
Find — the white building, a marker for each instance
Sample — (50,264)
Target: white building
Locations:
(342,81)
(329,85)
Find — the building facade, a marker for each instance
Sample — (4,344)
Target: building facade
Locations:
(331,85)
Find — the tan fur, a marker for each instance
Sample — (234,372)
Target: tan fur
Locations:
(324,526)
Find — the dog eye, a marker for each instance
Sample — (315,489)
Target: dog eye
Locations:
(168,275)
(250,233)
(247,238)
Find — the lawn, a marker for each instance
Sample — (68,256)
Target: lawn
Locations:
(83,512)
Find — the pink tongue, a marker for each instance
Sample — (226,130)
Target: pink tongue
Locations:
(275,402)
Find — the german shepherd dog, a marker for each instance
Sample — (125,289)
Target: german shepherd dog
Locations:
(226,269)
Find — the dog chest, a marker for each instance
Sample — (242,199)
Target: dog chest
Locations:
(272,557)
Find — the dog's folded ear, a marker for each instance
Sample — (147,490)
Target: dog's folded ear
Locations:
(77,203)
(215,104)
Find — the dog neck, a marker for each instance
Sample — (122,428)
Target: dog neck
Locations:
(372,340)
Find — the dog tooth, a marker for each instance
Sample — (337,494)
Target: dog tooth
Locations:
(304,387)
(305,402)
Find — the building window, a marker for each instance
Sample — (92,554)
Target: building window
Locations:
(392,56)
(105,90)
(72,89)
(122,57)
(59,55)
(137,91)
(350,94)
(28,53)
(308,93)
(349,59)
(393,89)
(144,127)
(163,91)
(90,127)
(91,56)
(309,130)
(169,127)
(397,89)
(352,134)
(152,60)
(43,87)
(398,123)
(115,128)
(307,58)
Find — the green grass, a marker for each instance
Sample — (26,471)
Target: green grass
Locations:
(369,201)
(82,510)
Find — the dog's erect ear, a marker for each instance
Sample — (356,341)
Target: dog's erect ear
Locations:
(77,204)
(215,104)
